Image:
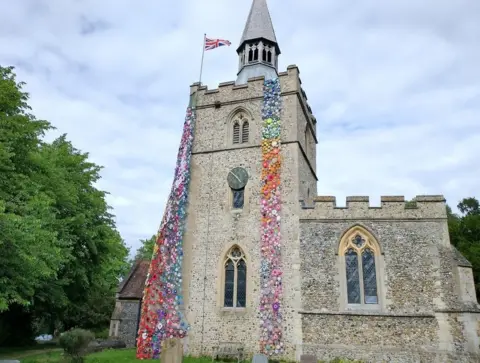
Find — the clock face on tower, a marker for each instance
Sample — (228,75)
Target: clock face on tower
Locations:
(237,178)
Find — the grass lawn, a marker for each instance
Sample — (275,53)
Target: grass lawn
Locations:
(17,353)
(107,356)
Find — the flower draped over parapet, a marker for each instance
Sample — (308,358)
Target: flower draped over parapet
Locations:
(161,315)
(271,263)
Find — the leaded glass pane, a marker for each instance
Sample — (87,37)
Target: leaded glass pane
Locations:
(229,283)
(369,277)
(353,280)
(241,284)
(238,198)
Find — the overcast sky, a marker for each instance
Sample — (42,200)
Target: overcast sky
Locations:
(395,87)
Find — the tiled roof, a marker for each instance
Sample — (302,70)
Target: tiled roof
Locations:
(259,24)
(132,286)
(460,259)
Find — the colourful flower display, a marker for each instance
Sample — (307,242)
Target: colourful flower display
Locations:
(271,263)
(161,315)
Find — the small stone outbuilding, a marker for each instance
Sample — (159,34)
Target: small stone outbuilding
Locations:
(125,317)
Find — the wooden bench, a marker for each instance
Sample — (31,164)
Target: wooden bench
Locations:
(228,349)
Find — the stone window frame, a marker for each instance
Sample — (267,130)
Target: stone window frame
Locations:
(375,246)
(221,281)
(239,118)
(114,325)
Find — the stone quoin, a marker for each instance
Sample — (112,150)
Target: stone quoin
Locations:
(268,263)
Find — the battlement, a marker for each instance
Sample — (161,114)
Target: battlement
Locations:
(229,92)
(391,207)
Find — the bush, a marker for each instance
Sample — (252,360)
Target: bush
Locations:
(75,342)
(102,334)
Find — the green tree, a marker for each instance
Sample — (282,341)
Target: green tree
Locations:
(97,254)
(464,230)
(31,252)
(145,251)
(61,253)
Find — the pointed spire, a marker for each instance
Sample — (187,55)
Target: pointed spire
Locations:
(258,50)
(259,25)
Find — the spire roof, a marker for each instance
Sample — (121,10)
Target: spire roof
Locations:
(259,24)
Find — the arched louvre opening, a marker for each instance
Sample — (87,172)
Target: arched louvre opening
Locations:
(245,132)
(236,132)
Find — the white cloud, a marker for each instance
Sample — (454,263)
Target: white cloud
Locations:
(395,87)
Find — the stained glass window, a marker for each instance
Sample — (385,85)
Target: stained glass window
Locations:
(238,198)
(369,277)
(353,280)
(235,294)
(360,267)
(229,283)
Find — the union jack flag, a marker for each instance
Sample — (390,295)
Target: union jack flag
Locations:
(215,43)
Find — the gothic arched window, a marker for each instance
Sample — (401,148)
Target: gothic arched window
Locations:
(360,252)
(235,275)
(240,129)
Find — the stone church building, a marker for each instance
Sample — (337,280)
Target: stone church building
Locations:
(360,282)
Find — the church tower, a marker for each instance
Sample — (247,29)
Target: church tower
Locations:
(251,134)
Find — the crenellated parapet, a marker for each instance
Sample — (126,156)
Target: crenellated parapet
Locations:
(391,207)
(230,93)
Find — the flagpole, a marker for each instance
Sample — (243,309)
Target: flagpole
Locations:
(203,54)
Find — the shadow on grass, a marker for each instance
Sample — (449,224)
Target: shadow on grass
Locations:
(19,352)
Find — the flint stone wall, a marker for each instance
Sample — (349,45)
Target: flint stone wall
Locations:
(128,320)
(420,285)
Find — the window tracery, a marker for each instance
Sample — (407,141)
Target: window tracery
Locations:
(235,277)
